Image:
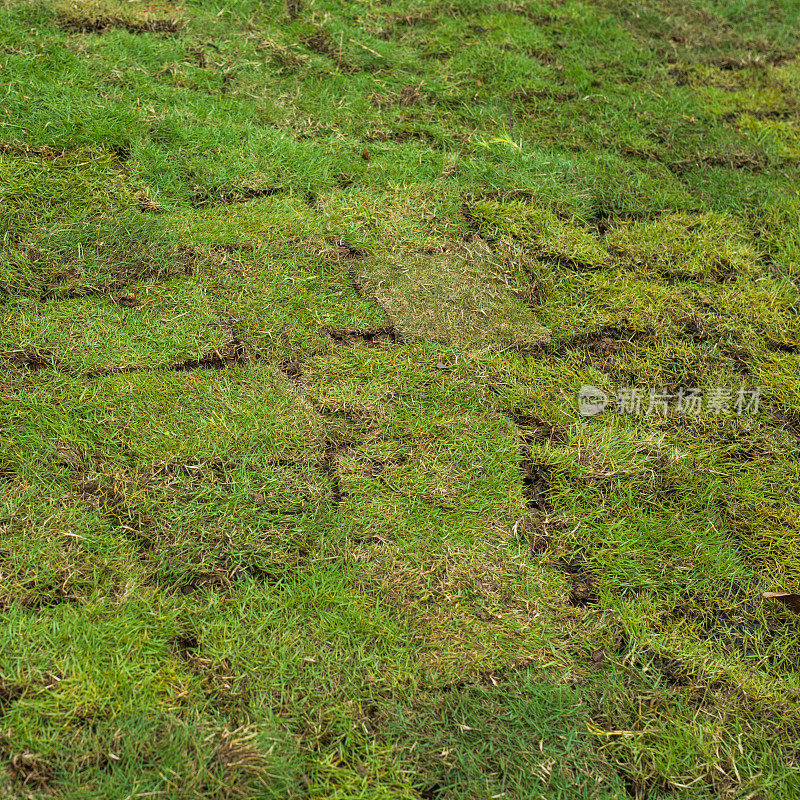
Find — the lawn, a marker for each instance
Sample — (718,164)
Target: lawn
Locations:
(297,299)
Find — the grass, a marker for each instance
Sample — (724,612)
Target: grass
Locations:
(296,303)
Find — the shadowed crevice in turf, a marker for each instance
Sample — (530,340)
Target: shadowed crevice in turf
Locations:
(223,195)
(377,337)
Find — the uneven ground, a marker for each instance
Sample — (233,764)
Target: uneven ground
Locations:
(296,301)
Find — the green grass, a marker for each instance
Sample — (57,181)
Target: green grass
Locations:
(296,303)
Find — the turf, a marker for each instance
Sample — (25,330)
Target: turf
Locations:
(296,304)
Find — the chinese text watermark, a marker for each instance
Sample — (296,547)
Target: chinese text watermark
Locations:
(635,401)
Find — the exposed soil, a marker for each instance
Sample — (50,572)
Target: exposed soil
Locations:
(535,483)
(33,360)
(345,249)
(780,347)
(533,428)
(749,162)
(225,195)
(601,343)
(369,337)
(293,9)
(584,587)
(694,328)
(233,352)
(80,23)
(292,369)
(28,769)
(185,644)
(329,464)
(30,151)
(36,594)
(9,694)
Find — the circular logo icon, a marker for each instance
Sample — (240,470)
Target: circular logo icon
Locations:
(591,400)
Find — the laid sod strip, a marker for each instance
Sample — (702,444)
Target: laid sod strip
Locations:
(399,400)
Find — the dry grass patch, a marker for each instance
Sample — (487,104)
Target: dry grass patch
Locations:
(466,298)
(462,600)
